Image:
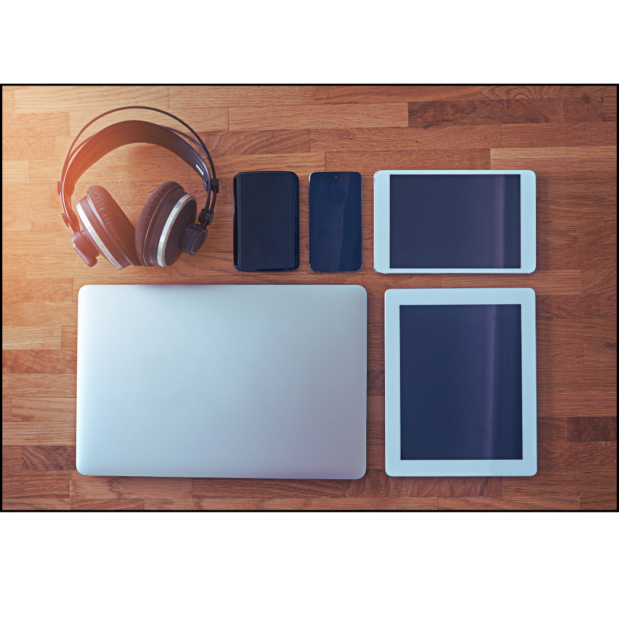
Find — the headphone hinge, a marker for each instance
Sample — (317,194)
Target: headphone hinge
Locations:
(215,185)
(71,221)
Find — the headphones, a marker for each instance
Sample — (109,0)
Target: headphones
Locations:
(166,226)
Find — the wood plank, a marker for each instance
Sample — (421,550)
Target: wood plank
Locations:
(14,172)
(543,92)
(182,97)
(13,267)
(551,430)
(541,160)
(599,281)
(339,116)
(268,488)
(377,483)
(29,125)
(36,504)
(575,403)
(602,229)
(32,313)
(407,139)
(43,409)
(35,485)
(108,504)
(23,148)
(48,458)
(566,258)
(42,337)
(68,338)
(572,379)
(103,488)
(21,242)
(317,504)
(393,94)
(38,433)
(256,142)
(11,458)
(18,200)
(582,109)
(589,429)
(535,503)
(598,501)
(39,385)
(39,362)
(486,112)
(557,354)
(600,355)
(584,456)
(536,135)
(8,101)
(199,118)
(566,482)
(171,504)
(582,306)
(576,329)
(6,409)
(565,282)
(49,289)
(609,105)
(97,98)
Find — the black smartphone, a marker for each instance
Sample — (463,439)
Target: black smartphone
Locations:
(335,206)
(266,221)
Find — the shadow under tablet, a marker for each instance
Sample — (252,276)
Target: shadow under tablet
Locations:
(461,382)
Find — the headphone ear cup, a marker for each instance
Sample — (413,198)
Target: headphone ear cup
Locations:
(161,224)
(117,224)
(146,214)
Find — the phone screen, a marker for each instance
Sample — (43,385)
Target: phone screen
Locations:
(266,221)
(335,206)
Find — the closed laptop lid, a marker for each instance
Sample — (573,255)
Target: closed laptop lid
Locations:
(222,381)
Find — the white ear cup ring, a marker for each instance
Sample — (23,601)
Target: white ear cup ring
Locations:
(103,250)
(165,234)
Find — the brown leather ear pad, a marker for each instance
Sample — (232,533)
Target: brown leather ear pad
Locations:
(115,220)
(147,214)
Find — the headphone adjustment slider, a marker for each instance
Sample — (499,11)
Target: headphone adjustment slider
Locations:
(215,185)
(205,217)
(69,186)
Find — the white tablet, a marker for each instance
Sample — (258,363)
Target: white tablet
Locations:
(454,221)
(460,382)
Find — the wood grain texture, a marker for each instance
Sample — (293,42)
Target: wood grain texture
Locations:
(545,92)
(512,503)
(38,433)
(588,429)
(387,94)
(609,105)
(48,458)
(565,134)
(319,116)
(43,409)
(600,355)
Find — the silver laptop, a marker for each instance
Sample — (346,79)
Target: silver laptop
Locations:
(222,381)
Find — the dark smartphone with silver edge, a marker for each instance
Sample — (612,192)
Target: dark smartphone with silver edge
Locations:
(335,208)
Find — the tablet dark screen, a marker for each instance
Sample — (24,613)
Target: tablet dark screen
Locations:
(460,382)
(455,221)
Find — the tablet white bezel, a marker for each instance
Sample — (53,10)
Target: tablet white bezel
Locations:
(382,216)
(395,465)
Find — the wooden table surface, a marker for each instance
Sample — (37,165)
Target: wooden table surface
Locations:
(566,135)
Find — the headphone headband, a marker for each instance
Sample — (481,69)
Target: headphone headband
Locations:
(134,132)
